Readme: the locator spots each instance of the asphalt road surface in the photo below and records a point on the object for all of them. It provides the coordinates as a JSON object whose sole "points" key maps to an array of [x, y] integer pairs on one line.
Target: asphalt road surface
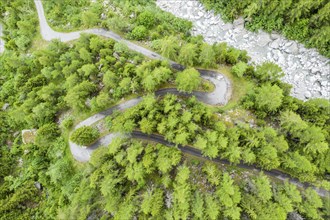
{"points": [[219, 96]]}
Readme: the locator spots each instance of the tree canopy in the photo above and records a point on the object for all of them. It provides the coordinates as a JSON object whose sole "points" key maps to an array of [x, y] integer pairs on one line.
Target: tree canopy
{"points": [[188, 80], [85, 135]]}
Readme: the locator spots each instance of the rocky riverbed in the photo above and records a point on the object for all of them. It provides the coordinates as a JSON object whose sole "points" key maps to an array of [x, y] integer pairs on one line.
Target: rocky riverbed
{"points": [[305, 69]]}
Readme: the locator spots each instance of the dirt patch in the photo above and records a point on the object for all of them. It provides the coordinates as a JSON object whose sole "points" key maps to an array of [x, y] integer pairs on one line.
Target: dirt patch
{"points": [[28, 136]]}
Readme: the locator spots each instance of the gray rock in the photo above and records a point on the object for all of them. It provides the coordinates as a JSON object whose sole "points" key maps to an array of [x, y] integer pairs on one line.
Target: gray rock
{"points": [[288, 44], [275, 55], [307, 94], [308, 65], [314, 71], [281, 58], [294, 216], [325, 93], [5, 106], [324, 83], [214, 22], [290, 63], [264, 40], [239, 25], [38, 185], [227, 26], [239, 22], [274, 36], [269, 55], [293, 49], [275, 44]]}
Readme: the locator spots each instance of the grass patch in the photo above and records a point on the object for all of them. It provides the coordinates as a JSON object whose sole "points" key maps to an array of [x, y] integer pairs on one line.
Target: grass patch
{"points": [[38, 42], [206, 86], [239, 87]]}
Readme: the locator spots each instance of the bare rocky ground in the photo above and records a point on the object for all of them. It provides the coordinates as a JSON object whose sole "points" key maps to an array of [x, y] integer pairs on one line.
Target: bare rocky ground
{"points": [[305, 69]]}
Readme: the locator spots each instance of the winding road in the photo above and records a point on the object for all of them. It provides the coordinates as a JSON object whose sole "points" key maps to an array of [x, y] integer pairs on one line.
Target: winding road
{"points": [[219, 96], [304, 68]]}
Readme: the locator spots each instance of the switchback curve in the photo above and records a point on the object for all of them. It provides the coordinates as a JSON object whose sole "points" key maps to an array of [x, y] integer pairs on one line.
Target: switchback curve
{"points": [[222, 90]]}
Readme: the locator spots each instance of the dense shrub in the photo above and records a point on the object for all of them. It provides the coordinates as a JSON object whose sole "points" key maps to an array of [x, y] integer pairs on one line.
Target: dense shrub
{"points": [[139, 33], [188, 80], [85, 135], [19, 24], [239, 69], [146, 19]]}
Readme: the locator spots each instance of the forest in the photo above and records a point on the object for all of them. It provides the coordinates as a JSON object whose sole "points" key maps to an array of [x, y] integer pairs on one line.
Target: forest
{"points": [[53, 86]]}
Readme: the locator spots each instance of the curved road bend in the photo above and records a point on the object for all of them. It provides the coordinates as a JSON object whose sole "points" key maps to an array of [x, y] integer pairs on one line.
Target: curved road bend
{"points": [[222, 84], [49, 34], [195, 152], [220, 95]]}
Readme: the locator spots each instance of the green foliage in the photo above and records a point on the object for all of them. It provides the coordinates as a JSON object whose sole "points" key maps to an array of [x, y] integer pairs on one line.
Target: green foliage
{"points": [[298, 30], [19, 24], [59, 171], [268, 98], [305, 21], [233, 56], [168, 47], [211, 207], [124, 16], [117, 24], [163, 117], [221, 50], [262, 188], [198, 205], [213, 174], [89, 19], [291, 122], [167, 158], [147, 19], [315, 111], [134, 179], [6, 162], [76, 97], [239, 69], [188, 80], [229, 196], [46, 134], [153, 202], [101, 101], [188, 54], [139, 33], [19, 202], [311, 204], [207, 56], [85, 135], [67, 14], [268, 72]]}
